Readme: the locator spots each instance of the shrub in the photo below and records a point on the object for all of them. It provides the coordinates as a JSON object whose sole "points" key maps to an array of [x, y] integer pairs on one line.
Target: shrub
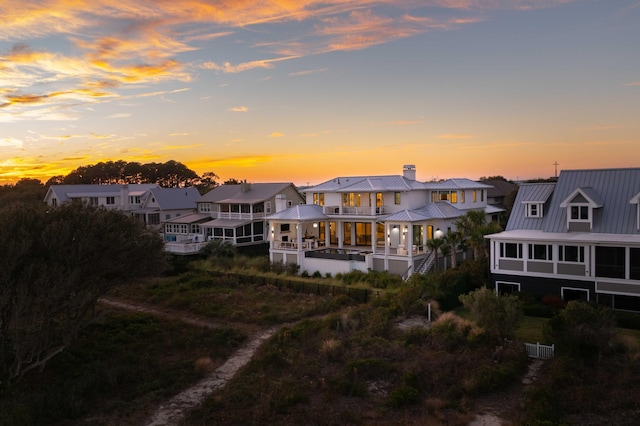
{"points": [[498, 314], [292, 268], [317, 274], [401, 397], [278, 268]]}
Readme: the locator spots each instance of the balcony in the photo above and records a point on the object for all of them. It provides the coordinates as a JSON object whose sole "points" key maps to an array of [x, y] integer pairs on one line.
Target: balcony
{"points": [[237, 216], [354, 211]]}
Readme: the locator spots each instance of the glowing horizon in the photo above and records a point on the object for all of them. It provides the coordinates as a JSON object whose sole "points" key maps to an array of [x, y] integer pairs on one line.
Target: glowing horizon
{"points": [[303, 91]]}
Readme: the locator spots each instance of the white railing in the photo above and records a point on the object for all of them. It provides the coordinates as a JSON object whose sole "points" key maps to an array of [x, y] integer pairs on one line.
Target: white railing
{"points": [[539, 351], [237, 216], [184, 248], [354, 211]]}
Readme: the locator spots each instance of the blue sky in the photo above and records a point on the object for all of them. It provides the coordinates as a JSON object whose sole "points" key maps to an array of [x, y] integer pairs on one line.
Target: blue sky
{"points": [[303, 91]]}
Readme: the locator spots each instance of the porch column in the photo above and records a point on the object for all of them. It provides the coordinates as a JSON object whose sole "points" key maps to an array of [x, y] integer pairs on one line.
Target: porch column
{"points": [[374, 236], [387, 243], [299, 235], [327, 234], [340, 233], [410, 240]]}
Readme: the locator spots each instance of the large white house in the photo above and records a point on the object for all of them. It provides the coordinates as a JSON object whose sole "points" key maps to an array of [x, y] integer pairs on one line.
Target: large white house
{"points": [[233, 213], [578, 238], [380, 223]]}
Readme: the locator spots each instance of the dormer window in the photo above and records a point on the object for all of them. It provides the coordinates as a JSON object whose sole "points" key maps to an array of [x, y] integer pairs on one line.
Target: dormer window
{"points": [[580, 213], [534, 210], [580, 206]]}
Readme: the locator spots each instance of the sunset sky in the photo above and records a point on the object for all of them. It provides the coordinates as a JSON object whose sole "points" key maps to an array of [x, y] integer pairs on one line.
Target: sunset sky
{"points": [[306, 90]]}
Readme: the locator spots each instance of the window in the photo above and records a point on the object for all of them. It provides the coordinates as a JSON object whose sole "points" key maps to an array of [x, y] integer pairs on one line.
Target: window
{"points": [[111, 200], [285, 227], [176, 228], [54, 202], [318, 198], [451, 196], [195, 228], [462, 196], [571, 254], [634, 263], [507, 287], [579, 212], [534, 210], [167, 216], [267, 207], [482, 195], [134, 199], [540, 252], [204, 207], [289, 203], [511, 250], [396, 198], [610, 262], [154, 219], [475, 195]]}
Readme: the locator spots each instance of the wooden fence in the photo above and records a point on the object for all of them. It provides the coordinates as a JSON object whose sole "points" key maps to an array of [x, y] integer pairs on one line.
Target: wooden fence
{"points": [[539, 351]]}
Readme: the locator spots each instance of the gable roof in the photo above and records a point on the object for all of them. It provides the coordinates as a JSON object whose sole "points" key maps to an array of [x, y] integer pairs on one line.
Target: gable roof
{"points": [[610, 188], [457, 183], [252, 193], [174, 198], [499, 187], [64, 193]]}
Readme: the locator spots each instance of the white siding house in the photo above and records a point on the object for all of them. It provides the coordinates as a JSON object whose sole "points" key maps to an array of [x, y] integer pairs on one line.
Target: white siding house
{"points": [[372, 222]]}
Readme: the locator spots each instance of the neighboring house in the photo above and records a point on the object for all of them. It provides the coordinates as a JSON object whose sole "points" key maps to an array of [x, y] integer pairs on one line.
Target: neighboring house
{"points": [[380, 223], [114, 196], [578, 238], [233, 213], [498, 192], [159, 205]]}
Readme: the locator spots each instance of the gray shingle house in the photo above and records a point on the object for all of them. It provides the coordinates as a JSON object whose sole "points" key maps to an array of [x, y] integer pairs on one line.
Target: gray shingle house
{"points": [[578, 238]]}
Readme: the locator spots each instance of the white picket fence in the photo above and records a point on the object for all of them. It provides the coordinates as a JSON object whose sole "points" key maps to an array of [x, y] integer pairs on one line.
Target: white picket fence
{"points": [[539, 351]]}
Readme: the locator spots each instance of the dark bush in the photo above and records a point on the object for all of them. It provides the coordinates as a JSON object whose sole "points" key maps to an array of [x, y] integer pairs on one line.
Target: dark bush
{"points": [[401, 397]]}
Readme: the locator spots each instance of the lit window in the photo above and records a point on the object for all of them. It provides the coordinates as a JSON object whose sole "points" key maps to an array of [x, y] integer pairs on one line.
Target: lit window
{"points": [[475, 196], [396, 197], [462, 196]]}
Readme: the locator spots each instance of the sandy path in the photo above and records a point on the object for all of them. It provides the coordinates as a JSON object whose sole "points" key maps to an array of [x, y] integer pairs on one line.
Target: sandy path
{"points": [[171, 412]]}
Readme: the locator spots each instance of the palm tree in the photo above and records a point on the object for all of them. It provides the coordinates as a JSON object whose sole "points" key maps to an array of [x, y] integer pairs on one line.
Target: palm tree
{"points": [[469, 225], [435, 244], [453, 240]]}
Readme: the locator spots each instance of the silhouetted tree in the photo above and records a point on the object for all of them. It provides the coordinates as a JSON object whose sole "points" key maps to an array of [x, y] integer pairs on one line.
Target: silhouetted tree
{"points": [[232, 181], [54, 264]]}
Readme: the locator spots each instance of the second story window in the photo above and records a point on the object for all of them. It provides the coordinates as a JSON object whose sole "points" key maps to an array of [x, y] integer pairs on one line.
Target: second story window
{"points": [[396, 198], [318, 198], [204, 207], [511, 250], [475, 196], [579, 212], [111, 200]]}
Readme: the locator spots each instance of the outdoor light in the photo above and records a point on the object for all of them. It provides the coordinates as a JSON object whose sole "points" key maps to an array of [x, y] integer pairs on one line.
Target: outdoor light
{"points": [[315, 224], [438, 233]]}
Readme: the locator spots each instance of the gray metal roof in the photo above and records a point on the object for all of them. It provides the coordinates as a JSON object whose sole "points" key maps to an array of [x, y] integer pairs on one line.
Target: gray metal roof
{"points": [[255, 193], [175, 198], [367, 184], [300, 212], [535, 192], [190, 218], [614, 187], [225, 223], [457, 183], [64, 193]]}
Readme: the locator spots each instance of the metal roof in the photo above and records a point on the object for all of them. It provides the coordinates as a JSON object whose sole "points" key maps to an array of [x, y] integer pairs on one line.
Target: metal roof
{"points": [[300, 212], [535, 192], [225, 223], [457, 183], [66, 192], [190, 218], [614, 187], [367, 184], [175, 198], [234, 194]]}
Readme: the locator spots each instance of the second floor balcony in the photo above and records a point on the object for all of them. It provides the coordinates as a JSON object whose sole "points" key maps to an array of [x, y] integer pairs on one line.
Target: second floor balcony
{"points": [[354, 211]]}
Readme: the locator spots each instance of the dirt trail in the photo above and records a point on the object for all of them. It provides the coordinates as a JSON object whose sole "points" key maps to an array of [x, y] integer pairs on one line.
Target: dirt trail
{"points": [[174, 410]]}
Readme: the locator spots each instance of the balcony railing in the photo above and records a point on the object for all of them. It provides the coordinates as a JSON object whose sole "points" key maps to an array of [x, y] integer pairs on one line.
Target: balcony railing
{"points": [[354, 211], [237, 216]]}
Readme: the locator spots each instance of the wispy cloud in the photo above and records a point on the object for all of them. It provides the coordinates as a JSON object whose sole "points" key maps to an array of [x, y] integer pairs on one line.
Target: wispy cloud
{"points": [[276, 135], [227, 67], [11, 143], [306, 72], [635, 83], [120, 115], [239, 109]]}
